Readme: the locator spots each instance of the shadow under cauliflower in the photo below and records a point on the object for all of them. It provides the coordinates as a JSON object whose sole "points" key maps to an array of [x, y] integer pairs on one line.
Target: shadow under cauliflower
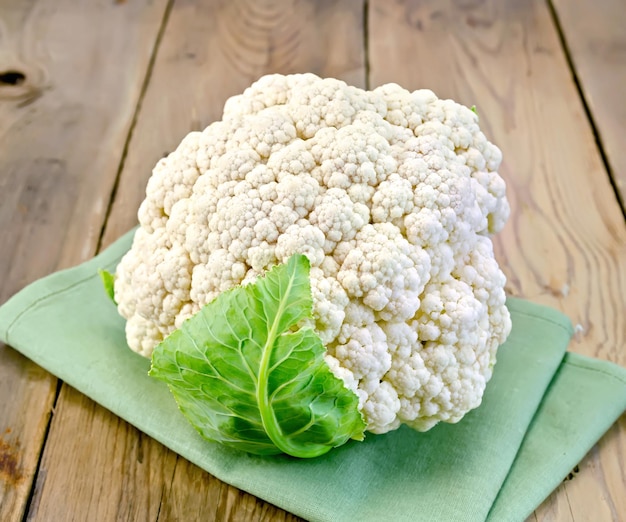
{"points": [[392, 195]]}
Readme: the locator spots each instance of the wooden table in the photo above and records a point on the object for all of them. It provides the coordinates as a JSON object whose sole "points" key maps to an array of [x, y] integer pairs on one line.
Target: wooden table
{"points": [[94, 92]]}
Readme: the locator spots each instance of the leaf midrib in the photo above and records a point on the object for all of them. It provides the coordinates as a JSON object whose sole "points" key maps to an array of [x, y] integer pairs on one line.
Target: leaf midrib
{"points": [[268, 418], [267, 413]]}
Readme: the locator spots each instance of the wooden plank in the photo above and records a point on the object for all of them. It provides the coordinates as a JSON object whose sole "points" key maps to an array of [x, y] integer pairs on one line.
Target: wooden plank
{"points": [[210, 51], [219, 501], [70, 76], [565, 244], [27, 394], [114, 473], [596, 40], [213, 50]]}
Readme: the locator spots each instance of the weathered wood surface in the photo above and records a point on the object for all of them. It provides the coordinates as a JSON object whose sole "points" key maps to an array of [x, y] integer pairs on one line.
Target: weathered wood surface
{"points": [[565, 244], [98, 113], [208, 52], [212, 50], [70, 77], [595, 36]]}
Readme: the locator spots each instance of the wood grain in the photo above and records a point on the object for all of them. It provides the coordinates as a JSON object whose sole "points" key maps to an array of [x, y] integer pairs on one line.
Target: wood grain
{"points": [[565, 244], [67, 98], [115, 450], [196, 495], [596, 40], [214, 49], [23, 423], [210, 50]]}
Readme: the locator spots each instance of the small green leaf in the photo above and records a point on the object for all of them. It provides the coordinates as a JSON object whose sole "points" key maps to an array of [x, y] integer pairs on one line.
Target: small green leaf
{"points": [[473, 109], [244, 374], [108, 281]]}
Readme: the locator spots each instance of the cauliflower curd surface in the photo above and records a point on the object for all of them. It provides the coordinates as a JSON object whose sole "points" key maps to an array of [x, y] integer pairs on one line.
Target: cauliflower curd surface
{"points": [[392, 195]]}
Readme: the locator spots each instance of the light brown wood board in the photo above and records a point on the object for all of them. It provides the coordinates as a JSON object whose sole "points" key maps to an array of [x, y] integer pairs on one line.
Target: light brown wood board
{"points": [[70, 77], [504, 57], [595, 38], [565, 244], [208, 52]]}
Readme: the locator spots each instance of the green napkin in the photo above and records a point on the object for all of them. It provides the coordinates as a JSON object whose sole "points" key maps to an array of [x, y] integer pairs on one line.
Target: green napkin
{"points": [[543, 410]]}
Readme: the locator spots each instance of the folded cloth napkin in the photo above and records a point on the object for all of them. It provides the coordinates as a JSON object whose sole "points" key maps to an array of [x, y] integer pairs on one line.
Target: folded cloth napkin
{"points": [[542, 411]]}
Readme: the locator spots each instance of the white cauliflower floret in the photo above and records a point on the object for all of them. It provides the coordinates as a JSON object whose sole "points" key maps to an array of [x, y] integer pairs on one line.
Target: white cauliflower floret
{"points": [[363, 350], [392, 195], [381, 406], [338, 217], [353, 155], [329, 304], [458, 351], [302, 238], [392, 200], [385, 271]]}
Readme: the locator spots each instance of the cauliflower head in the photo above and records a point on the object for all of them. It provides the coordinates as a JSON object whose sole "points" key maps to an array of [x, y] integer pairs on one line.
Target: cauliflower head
{"points": [[392, 195]]}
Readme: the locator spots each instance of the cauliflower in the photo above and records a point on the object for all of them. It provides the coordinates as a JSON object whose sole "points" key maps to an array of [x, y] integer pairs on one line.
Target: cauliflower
{"points": [[392, 195]]}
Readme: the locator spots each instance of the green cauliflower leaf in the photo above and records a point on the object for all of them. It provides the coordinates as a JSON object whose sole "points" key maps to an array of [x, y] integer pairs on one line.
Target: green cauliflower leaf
{"points": [[246, 373], [108, 281]]}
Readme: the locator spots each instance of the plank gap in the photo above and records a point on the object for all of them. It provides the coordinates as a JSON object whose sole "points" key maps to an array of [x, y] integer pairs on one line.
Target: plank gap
{"points": [[592, 122], [35, 487], [133, 123], [366, 42], [165, 493]]}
